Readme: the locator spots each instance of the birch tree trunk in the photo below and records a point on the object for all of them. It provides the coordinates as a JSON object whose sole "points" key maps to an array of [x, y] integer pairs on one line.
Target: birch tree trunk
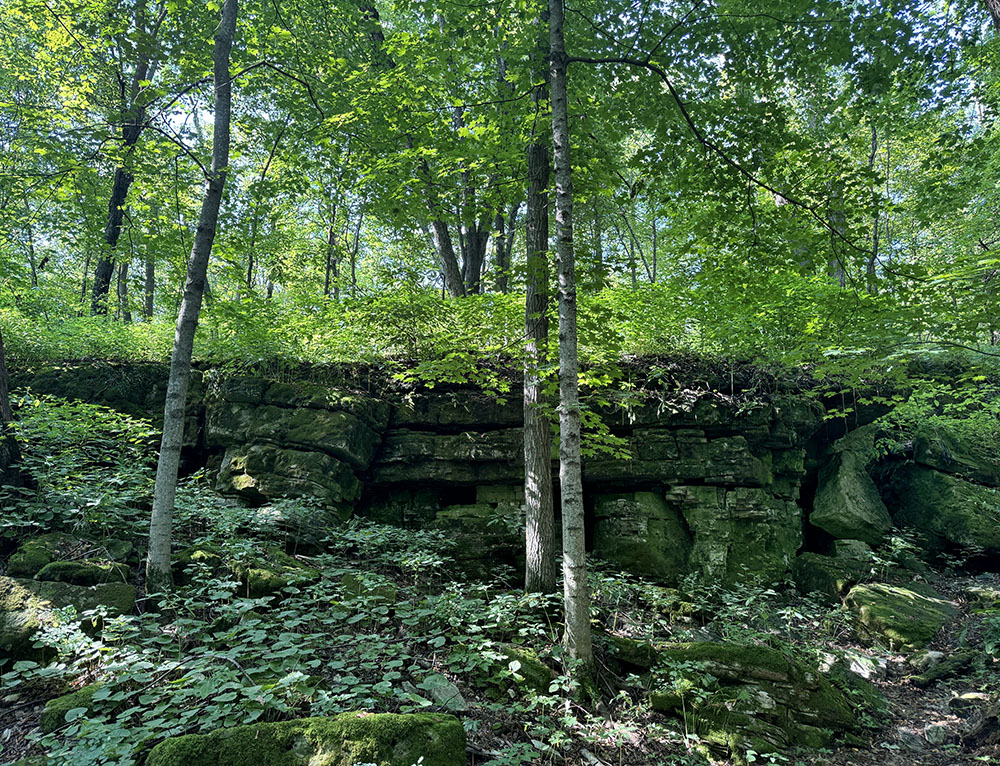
{"points": [[158, 575], [577, 639]]}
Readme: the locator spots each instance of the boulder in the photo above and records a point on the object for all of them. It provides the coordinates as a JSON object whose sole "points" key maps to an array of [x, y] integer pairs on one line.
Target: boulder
{"points": [[907, 616], [262, 472], [34, 554], [738, 531], [847, 503], [761, 700], [84, 572], [950, 512], [958, 451], [54, 714], [383, 739], [826, 575], [640, 533], [26, 605]]}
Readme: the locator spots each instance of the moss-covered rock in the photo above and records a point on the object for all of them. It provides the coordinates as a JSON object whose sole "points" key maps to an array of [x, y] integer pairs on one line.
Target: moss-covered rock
{"points": [[960, 451], [54, 714], [84, 572], [271, 572], [527, 669], [465, 459], [949, 511], [640, 533], [263, 472], [764, 701], [34, 554], [26, 605], [191, 559], [739, 531], [827, 575], [847, 503], [345, 740], [907, 616]]}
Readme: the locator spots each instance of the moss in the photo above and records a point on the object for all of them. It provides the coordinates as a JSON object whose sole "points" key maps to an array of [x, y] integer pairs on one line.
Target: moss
{"points": [[384, 739], [25, 605], [949, 667], [831, 577], [531, 671], [84, 572], [270, 574], [847, 502], [188, 561], [641, 655], [907, 616], [54, 714], [37, 552], [947, 510]]}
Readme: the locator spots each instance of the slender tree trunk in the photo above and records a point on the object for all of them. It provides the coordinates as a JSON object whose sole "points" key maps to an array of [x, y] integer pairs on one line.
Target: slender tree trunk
{"points": [[6, 414], [448, 260], [150, 286], [870, 273], [10, 453], [837, 219], [158, 574], [539, 537], [576, 590], [123, 310]]}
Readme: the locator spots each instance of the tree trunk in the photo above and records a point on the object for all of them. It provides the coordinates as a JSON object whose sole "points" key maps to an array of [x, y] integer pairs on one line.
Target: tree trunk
{"points": [[448, 260], [158, 574], [10, 453], [576, 590], [150, 286], [123, 311], [993, 6], [539, 532], [6, 414]]}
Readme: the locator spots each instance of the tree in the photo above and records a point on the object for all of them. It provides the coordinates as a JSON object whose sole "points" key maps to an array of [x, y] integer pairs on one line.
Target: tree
{"points": [[576, 590], [158, 574], [540, 558]]}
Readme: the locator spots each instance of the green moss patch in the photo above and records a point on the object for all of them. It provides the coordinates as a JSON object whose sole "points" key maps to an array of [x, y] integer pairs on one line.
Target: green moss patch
{"points": [[907, 616], [345, 740]]}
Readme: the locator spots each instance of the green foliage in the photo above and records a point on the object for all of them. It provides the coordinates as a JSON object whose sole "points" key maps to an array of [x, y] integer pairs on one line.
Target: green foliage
{"points": [[93, 468]]}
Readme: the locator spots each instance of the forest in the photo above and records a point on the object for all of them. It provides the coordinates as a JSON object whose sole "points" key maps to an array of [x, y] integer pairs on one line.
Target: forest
{"points": [[408, 383]]}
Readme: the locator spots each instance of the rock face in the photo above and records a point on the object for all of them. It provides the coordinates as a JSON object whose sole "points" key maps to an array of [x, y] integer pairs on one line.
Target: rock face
{"points": [[950, 512], [966, 456], [640, 532], [345, 740], [904, 616], [713, 485], [763, 700], [26, 605]]}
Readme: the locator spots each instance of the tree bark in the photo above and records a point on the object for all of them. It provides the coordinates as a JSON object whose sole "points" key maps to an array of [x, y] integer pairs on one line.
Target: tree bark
{"points": [[993, 6], [134, 115], [539, 531], [577, 638], [150, 286], [10, 453], [123, 310], [158, 574]]}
